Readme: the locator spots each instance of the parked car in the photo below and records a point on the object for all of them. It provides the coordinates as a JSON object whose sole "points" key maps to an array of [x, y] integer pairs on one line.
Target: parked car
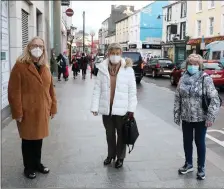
{"points": [[158, 67], [213, 68], [98, 60], [137, 63]]}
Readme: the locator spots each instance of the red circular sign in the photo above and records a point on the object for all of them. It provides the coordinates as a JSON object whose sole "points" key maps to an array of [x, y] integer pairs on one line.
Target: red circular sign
{"points": [[69, 12]]}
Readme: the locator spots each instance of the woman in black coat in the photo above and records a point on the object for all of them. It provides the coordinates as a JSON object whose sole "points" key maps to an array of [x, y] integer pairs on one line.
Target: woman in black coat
{"points": [[83, 64]]}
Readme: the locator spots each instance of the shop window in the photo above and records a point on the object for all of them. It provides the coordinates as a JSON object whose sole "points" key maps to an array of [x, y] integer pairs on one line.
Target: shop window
{"points": [[216, 55], [211, 4]]}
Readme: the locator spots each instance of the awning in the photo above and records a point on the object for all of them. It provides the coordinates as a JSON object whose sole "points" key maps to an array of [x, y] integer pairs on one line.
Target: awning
{"points": [[206, 40]]}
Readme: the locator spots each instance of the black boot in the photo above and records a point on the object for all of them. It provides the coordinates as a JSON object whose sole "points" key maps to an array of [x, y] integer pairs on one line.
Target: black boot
{"points": [[42, 169], [119, 163], [30, 174], [108, 160]]}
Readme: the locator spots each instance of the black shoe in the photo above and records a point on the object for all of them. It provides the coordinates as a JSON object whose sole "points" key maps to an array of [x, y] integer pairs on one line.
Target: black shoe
{"points": [[201, 173], [59, 79], [186, 169], [119, 163], [30, 174], [42, 169], [108, 160]]}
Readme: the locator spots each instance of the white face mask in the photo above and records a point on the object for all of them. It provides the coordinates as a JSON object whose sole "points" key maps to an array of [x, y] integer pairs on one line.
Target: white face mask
{"points": [[115, 59], [36, 52]]}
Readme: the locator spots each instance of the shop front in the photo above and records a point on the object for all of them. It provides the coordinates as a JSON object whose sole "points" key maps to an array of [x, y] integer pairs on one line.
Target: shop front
{"points": [[196, 47], [180, 53], [168, 51]]}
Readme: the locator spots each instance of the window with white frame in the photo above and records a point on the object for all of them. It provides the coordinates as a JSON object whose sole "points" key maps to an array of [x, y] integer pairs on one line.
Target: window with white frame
{"points": [[169, 13], [199, 5], [211, 25], [183, 9], [199, 28], [223, 24], [182, 30], [211, 4]]}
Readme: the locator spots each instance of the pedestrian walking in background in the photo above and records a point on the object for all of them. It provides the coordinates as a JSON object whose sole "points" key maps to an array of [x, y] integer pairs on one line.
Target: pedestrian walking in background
{"points": [[66, 74], [83, 64], [32, 99], [75, 67], [114, 97], [188, 107], [61, 66], [53, 62]]}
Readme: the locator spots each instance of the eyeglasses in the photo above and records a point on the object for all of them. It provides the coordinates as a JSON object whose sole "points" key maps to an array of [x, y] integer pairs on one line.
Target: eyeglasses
{"points": [[36, 46]]}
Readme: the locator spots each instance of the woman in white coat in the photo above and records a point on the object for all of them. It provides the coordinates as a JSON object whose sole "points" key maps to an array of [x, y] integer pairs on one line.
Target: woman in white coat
{"points": [[114, 96]]}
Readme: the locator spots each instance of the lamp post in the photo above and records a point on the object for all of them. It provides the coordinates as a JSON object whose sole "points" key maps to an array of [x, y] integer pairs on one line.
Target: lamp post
{"points": [[92, 33]]}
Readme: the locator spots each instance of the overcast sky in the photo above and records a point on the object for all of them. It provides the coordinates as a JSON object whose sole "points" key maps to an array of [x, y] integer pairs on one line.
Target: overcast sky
{"points": [[97, 11]]}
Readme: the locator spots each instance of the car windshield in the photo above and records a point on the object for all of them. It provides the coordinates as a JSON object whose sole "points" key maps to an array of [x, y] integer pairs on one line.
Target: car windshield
{"points": [[165, 61], [212, 66], [134, 56]]}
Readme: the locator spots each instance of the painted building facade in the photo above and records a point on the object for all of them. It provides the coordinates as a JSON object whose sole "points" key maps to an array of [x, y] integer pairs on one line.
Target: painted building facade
{"points": [[205, 20], [175, 31], [122, 32]]}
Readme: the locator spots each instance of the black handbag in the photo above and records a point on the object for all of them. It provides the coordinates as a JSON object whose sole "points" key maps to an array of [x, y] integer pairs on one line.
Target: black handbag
{"points": [[130, 132], [205, 100]]}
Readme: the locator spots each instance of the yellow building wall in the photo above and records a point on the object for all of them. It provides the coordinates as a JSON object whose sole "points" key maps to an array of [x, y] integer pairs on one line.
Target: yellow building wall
{"points": [[204, 16]]}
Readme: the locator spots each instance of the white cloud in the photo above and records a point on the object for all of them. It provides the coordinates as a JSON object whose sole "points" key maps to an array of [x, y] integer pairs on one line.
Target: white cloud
{"points": [[97, 11]]}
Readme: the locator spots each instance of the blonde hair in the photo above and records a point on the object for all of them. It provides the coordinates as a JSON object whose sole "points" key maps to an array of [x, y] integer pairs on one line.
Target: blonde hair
{"points": [[196, 58], [26, 56], [113, 46]]}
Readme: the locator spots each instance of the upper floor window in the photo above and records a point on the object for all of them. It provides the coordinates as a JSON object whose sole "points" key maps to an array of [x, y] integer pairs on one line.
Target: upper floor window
{"points": [[199, 5], [199, 28], [211, 26], [168, 33], [211, 4], [182, 30], [183, 9], [222, 23], [169, 13]]}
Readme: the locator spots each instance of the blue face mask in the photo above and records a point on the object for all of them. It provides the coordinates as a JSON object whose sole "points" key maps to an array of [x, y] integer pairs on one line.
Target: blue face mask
{"points": [[192, 69]]}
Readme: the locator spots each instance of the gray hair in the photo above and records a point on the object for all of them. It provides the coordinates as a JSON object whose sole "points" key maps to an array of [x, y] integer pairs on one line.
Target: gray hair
{"points": [[197, 58], [113, 46]]}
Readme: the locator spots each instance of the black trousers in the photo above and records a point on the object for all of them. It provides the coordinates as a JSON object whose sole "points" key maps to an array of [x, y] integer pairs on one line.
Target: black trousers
{"points": [[31, 150], [84, 71], [116, 147], [61, 71]]}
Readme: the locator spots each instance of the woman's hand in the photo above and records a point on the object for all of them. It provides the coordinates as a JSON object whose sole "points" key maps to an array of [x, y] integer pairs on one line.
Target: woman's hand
{"points": [[130, 115], [19, 119], [95, 113], [208, 124], [52, 116]]}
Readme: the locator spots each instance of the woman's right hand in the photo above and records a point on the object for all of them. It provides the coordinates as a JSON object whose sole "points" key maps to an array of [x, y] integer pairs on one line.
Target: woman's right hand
{"points": [[19, 119], [95, 113]]}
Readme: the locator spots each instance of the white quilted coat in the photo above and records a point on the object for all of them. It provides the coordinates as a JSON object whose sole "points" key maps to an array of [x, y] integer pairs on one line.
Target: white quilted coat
{"points": [[125, 98]]}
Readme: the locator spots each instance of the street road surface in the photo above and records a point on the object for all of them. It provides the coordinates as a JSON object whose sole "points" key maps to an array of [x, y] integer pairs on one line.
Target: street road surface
{"points": [[162, 99]]}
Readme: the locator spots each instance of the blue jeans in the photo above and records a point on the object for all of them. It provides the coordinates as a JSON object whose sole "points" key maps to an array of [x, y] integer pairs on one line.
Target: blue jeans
{"points": [[199, 131]]}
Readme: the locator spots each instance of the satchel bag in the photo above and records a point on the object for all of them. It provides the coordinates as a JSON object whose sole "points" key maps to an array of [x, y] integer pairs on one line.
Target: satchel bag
{"points": [[205, 99], [130, 132]]}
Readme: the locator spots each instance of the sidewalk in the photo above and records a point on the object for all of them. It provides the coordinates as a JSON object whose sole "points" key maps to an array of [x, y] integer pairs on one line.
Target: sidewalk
{"points": [[76, 149]]}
